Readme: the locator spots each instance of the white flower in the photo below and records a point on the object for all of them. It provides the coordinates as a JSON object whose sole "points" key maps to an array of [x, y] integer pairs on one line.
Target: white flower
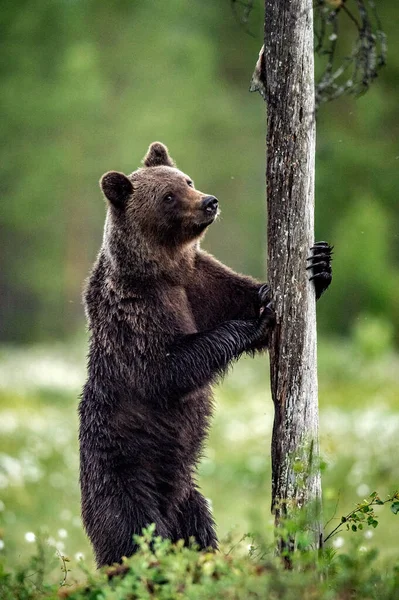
{"points": [[60, 546], [363, 490], [338, 542], [368, 534], [62, 533], [30, 536], [79, 556]]}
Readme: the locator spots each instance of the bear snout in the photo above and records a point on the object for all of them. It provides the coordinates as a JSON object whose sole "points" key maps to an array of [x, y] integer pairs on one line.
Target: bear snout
{"points": [[210, 205]]}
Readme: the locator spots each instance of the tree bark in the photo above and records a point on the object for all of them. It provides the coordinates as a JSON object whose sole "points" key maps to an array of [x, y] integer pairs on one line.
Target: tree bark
{"points": [[289, 77]]}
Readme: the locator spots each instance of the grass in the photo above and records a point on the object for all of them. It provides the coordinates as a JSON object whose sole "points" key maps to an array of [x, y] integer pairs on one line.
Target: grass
{"points": [[359, 427], [160, 570]]}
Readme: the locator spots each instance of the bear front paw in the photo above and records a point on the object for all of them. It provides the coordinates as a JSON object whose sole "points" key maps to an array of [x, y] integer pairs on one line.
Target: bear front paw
{"points": [[265, 295], [320, 266], [263, 327], [267, 318]]}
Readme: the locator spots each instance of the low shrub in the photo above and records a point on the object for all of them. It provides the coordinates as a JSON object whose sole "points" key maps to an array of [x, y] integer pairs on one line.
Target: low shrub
{"points": [[171, 572]]}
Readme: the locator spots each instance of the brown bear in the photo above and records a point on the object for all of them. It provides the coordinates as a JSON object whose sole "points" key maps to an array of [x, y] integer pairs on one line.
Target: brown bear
{"points": [[165, 319]]}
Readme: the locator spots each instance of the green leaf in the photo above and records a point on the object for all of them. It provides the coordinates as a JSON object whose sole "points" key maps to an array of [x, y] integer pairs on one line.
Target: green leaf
{"points": [[354, 528], [395, 508], [374, 523]]}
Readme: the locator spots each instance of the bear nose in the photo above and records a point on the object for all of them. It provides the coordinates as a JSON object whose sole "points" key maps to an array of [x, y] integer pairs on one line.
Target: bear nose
{"points": [[210, 204]]}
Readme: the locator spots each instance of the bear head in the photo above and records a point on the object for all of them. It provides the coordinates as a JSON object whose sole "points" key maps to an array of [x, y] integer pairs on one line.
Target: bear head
{"points": [[158, 201]]}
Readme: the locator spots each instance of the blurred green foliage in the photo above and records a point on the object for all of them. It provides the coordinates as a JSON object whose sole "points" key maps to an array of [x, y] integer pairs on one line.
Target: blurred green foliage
{"points": [[87, 85], [163, 571], [359, 425]]}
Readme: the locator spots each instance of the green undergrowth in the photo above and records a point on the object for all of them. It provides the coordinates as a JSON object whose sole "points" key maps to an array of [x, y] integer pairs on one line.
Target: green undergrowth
{"points": [[359, 428], [39, 463], [166, 571]]}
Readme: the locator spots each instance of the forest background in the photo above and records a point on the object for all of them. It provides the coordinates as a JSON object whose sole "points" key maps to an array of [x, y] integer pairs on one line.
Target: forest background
{"points": [[85, 87]]}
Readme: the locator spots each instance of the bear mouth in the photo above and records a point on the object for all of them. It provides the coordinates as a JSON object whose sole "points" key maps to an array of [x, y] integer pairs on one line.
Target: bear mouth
{"points": [[200, 227], [211, 215], [206, 220], [209, 218]]}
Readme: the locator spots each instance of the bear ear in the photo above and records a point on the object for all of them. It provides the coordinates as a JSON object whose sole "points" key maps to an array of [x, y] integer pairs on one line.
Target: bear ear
{"points": [[158, 156], [116, 188]]}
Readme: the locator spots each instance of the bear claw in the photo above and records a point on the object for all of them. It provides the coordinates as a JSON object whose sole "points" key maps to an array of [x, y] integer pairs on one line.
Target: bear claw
{"points": [[320, 266], [264, 294]]}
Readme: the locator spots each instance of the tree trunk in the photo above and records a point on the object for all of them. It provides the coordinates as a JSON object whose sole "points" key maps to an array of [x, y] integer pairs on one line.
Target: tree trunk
{"points": [[289, 76]]}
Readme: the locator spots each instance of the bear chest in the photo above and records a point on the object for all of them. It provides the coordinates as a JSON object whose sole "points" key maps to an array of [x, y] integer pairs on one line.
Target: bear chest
{"points": [[178, 313]]}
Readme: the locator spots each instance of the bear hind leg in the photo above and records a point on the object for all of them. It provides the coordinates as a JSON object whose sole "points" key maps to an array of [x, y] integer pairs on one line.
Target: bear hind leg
{"points": [[112, 535], [194, 520]]}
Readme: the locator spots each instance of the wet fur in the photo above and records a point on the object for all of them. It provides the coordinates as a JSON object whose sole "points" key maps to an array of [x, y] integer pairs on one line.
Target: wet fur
{"points": [[166, 319]]}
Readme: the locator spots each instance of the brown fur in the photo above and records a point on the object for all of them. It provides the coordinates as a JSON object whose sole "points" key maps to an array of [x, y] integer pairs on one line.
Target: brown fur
{"points": [[166, 319]]}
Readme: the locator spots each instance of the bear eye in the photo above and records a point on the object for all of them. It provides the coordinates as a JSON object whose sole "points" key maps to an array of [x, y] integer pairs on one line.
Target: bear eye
{"points": [[168, 197], [190, 183]]}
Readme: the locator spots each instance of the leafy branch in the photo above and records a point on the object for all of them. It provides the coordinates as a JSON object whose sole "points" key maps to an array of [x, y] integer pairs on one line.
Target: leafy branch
{"points": [[64, 568], [364, 514]]}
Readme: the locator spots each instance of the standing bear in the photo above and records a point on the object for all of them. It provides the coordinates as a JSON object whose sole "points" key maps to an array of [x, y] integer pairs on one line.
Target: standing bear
{"points": [[166, 319]]}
